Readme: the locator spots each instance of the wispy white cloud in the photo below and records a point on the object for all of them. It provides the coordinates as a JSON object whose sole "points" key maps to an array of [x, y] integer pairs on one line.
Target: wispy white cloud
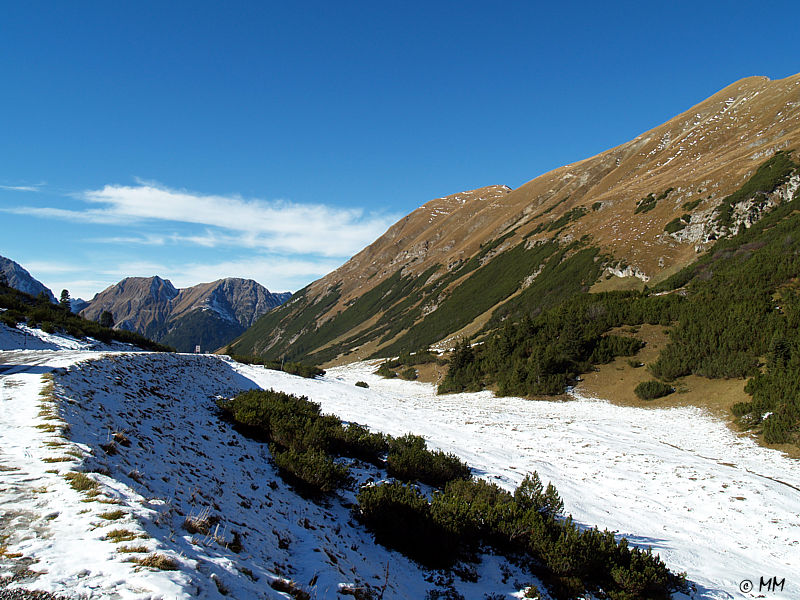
{"points": [[276, 273], [96, 217], [23, 188], [278, 226], [191, 238], [51, 267]]}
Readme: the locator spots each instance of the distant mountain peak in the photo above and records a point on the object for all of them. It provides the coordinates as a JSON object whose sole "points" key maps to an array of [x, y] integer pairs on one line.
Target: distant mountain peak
{"points": [[20, 279], [208, 314]]}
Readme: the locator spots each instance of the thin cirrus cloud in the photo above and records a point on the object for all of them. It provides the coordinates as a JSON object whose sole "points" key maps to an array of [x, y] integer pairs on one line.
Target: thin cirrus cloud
{"points": [[278, 226], [23, 188]]}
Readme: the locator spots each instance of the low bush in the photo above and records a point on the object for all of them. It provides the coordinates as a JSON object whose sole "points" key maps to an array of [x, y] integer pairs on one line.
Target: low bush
{"points": [[399, 516], [362, 384], [359, 442], [293, 368], [650, 390], [410, 460], [470, 514], [409, 374], [311, 470], [384, 370], [301, 437]]}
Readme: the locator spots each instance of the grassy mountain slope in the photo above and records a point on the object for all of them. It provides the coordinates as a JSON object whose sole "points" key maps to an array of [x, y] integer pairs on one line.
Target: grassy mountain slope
{"points": [[638, 212]]}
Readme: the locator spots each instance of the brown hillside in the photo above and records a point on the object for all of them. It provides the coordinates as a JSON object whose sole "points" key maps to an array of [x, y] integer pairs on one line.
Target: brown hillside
{"points": [[709, 150]]}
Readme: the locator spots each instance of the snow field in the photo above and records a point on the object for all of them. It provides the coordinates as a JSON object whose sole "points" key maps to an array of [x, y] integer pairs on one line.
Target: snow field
{"points": [[711, 503]]}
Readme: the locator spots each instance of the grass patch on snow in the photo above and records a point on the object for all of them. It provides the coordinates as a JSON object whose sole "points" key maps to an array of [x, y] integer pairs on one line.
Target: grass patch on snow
{"points": [[80, 482], [112, 515], [121, 535], [157, 561]]}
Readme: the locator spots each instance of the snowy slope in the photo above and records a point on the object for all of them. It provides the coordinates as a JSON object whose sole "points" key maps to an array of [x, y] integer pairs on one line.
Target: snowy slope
{"points": [[182, 462], [28, 338], [711, 503]]}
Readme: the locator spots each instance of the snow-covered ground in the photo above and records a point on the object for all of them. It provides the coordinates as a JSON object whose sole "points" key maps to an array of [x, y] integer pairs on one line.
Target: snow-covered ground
{"points": [[27, 338], [709, 502]]}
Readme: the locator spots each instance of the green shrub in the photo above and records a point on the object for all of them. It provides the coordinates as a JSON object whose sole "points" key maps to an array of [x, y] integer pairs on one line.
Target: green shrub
{"points": [[410, 460], [531, 495], [10, 318], [409, 374], [312, 470], [650, 390], [470, 514], [610, 346], [384, 370], [691, 205], [362, 384], [767, 178], [302, 438], [399, 516], [675, 226], [293, 368], [357, 441]]}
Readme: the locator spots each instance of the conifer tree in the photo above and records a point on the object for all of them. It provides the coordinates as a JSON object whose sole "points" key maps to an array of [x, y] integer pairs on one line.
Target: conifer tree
{"points": [[64, 300], [106, 319]]}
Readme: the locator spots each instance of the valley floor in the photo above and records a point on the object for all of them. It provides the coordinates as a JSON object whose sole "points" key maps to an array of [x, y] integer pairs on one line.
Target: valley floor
{"points": [[710, 503]]}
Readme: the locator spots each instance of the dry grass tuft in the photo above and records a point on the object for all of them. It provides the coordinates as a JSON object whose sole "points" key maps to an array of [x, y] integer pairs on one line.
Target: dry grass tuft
{"points": [[200, 523], [133, 549], [80, 482], [120, 438], [289, 587], [157, 561], [112, 515], [121, 535]]}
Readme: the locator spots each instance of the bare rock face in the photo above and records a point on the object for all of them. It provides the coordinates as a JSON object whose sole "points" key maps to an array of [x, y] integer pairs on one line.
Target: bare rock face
{"points": [[237, 300], [19, 279]]}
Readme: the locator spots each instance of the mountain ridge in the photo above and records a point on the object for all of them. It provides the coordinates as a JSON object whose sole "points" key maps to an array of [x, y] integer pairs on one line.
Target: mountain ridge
{"points": [[20, 279], [619, 201], [207, 314]]}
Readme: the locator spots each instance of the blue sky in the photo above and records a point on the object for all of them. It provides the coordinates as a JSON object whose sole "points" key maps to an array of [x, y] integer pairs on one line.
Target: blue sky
{"points": [[199, 140]]}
